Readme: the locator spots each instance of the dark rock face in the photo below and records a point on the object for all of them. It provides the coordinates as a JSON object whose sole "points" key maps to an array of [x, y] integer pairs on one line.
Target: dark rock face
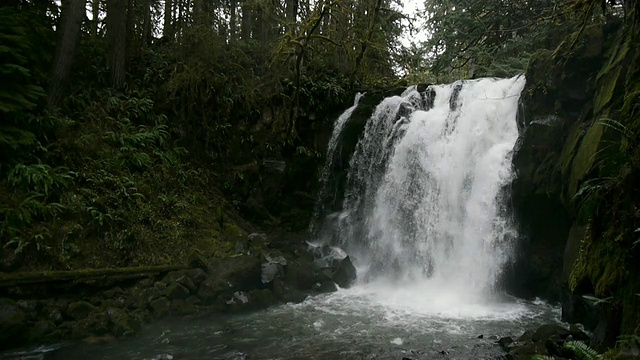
{"points": [[557, 103]]}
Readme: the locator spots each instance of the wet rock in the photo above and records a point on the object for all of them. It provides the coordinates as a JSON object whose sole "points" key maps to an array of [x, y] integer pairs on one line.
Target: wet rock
{"points": [[345, 273], [326, 287], [54, 315], [505, 342], [182, 307], [120, 322], [547, 331], [160, 307], [272, 266], [79, 310], [300, 275], [95, 323], [480, 336], [12, 323], [42, 331], [242, 272], [526, 351], [262, 298], [578, 333], [176, 291]]}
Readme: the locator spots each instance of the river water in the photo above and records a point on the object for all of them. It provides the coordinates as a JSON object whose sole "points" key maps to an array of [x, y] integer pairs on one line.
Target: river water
{"points": [[372, 321]]}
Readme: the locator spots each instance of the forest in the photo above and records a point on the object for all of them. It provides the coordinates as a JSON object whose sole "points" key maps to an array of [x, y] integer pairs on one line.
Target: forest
{"points": [[147, 133]]}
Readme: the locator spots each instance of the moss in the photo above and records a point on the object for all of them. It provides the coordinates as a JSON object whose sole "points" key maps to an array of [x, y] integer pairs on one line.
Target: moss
{"points": [[585, 156]]}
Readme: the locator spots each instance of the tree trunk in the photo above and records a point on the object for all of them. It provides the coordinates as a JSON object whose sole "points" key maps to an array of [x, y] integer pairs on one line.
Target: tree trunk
{"points": [[146, 28], [291, 15], [245, 26], [95, 12], [73, 13], [167, 26], [131, 38], [117, 41], [232, 21]]}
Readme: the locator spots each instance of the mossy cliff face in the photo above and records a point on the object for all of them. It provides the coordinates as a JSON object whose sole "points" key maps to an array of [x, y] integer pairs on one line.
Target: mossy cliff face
{"points": [[576, 195]]}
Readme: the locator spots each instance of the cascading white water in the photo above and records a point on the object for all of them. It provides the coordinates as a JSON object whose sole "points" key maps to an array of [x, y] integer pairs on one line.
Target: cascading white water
{"points": [[424, 186]]}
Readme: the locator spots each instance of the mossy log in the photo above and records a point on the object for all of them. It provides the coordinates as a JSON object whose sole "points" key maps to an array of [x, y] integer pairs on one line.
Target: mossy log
{"points": [[86, 275]]}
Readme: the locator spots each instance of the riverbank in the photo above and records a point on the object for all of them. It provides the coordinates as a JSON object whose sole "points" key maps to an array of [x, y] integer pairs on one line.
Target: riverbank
{"points": [[100, 307]]}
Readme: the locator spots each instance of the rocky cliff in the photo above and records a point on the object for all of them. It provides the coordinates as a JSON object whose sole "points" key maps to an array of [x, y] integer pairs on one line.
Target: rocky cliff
{"points": [[576, 196]]}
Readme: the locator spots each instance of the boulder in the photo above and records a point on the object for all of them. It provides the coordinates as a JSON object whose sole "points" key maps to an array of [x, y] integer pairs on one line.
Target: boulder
{"points": [[120, 322], [548, 331], [345, 273], [79, 310], [176, 291], [160, 307], [13, 323]]}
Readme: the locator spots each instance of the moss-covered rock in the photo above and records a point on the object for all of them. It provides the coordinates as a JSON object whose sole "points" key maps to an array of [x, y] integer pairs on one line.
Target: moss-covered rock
{"points": [[13, 323]]}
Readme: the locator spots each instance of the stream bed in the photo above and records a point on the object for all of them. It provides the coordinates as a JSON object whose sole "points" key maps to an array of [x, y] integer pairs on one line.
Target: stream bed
{"points": [[371, 321]]}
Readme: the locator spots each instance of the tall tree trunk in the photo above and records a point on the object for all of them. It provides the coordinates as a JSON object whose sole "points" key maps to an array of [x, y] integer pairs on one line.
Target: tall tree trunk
{"points": [[95, 12], [291, 14], [131, 38], [232, 21], [117, 40], [245, 26], [146, 28], [167, 25], [73, 12]]}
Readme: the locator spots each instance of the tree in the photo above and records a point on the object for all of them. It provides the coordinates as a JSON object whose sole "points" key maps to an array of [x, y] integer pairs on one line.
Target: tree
{"points": [[72, 16], [117, 41]]}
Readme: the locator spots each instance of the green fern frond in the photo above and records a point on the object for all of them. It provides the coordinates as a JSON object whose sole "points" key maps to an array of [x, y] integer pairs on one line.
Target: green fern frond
{"points": [[582, 351], [542, 357]]}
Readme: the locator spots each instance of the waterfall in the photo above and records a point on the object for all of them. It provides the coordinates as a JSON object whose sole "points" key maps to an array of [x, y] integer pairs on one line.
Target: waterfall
{"points": [[424, 199]]}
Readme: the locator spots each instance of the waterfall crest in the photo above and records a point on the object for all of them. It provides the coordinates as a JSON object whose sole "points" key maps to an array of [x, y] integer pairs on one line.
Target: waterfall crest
{"points": [[424, 189]]}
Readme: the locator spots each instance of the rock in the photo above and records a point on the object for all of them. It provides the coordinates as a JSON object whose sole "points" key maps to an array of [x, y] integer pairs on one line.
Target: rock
{"points": [[189, 278], [160, 307], [182, 307], [527, 336], [95, 323], [55, 316], [299, 275], [112, 293], [505, 342], [12, 324], [271, 266], [196, 260], [120, 323], [176, 291], [326, 287], [79, 310], [261, 299], [42, 330], [547, 331], [578, 333], [345, 273], [480, 336], [294, 296], [242, 272], [527, 350]]}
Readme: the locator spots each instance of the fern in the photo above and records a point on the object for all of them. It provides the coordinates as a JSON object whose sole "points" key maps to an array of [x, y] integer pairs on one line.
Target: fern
{"points": [[542, 357], [582, 351]]}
